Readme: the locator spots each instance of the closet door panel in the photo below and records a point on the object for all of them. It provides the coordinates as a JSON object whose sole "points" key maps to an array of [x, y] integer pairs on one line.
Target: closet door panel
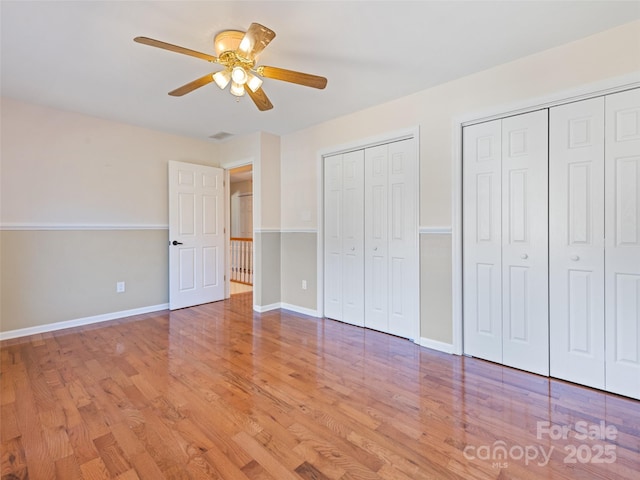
{"points": [[404, 273], [376, 238], [333, 237], [353, 238], [576, 242], [482, 241], [525, 242], [622, 263]]}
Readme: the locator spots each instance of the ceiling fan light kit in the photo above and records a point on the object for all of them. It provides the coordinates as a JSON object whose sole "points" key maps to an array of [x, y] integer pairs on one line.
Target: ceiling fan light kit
{"points": [[237, 51]]}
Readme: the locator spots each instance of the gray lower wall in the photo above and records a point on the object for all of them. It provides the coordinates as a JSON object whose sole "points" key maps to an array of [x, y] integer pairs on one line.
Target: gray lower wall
{"points": [[299, 262], [50, 276], [299, 254], [266, 265], [54, 276], [435, 287]]}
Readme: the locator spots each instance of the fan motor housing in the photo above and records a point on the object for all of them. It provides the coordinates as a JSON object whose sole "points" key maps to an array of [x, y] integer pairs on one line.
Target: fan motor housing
{"points": [[227, 41]]}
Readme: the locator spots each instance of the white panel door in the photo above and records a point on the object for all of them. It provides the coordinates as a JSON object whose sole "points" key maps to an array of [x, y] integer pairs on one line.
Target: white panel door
{"points": [[391, 239], [196, 234], [376, 260], [525, 317], [482, 241], [404, 261], [353, 238], [333, 237], [344, 237], [622, 244], [576, 242]]}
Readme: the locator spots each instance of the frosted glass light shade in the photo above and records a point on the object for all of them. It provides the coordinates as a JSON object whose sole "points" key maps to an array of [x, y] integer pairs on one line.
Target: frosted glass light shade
{"points": [[239, 75], [254, 83], [237, 89], [222, 78]]}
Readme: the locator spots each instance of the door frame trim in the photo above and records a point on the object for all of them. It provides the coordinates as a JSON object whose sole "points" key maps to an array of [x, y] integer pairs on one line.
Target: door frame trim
{"points": [[381, 139], [575, 94], [227, 166]]}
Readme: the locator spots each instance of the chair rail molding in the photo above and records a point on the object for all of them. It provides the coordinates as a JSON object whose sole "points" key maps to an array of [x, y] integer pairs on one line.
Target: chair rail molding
{"points": [[434, 230], [80, 226]]}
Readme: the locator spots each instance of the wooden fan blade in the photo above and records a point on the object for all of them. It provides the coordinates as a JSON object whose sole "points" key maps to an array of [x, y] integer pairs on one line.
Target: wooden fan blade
{"points": [[174, 48], [259, 98], [191, 86], [255, 40], [300, 78]]}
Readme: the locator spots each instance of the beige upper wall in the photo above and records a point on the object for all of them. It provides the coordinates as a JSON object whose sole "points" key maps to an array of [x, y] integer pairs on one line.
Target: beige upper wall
{"points": [[263, 151], [610, 54], [82, 176], [269, 173], [65, 168], [240, 150]]}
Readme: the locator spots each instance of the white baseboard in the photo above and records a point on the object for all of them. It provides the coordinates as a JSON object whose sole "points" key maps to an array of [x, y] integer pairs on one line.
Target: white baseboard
{"points": [[79, 322], [266, 308], [298, 309], [286, 306], [436, 345]]}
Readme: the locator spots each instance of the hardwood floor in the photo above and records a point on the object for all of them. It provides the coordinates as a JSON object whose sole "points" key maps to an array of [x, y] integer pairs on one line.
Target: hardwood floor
{"points": [[220, 392], [237, 287]]}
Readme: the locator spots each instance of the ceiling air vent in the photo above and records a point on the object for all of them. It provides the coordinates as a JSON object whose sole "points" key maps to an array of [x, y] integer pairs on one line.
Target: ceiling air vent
{"points": [[221, 136]]}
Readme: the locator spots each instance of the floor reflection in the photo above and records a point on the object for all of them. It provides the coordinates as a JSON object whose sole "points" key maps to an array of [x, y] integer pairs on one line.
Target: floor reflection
{"points": [[219, 384]]}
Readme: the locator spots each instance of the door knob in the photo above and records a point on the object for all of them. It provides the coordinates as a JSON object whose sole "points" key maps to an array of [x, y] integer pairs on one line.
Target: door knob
{"points": [[175, 242], [353, 248], [375, 249], [575, 258], [524, 256]]}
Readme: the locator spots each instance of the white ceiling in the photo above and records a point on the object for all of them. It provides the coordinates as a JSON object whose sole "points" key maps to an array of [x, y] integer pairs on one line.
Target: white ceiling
{"points": [[80, 55]]}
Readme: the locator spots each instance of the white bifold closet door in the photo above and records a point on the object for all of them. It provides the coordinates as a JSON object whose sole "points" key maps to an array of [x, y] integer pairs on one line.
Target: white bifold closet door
{"points": [[622, 243], [371, 275], [344, 237], [595, 242], [576, 242], [391, 239], [482, 240], [505, 241]]}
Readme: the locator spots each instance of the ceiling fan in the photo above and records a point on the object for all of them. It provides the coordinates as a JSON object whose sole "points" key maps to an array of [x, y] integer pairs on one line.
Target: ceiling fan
{"points": [[237, 52]]}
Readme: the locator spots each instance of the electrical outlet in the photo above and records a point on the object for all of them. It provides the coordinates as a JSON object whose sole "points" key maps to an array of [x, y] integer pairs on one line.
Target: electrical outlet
{"points": [[304, 284], [119, 287]]}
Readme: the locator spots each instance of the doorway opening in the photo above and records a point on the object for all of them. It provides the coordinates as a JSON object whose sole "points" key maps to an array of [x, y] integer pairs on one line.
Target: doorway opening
{"points": [[241, 223]]}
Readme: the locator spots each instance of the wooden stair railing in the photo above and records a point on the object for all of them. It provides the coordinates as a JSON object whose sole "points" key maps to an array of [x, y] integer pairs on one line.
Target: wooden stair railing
{"points": [[242, 260]]}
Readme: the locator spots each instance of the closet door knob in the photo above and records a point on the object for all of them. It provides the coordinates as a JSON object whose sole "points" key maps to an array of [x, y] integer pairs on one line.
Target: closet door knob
{"points": [[375, 249], [575, 258], [524, 256], [353, 248]]}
